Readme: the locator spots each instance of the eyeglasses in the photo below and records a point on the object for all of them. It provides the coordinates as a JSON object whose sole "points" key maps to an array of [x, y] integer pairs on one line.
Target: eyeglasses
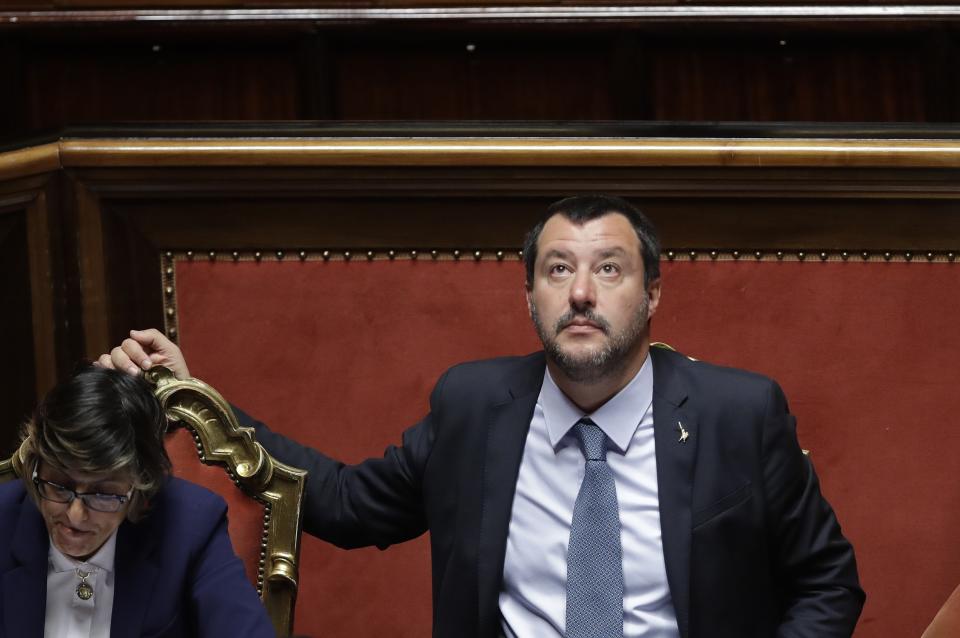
{"points": [[93, 500]]}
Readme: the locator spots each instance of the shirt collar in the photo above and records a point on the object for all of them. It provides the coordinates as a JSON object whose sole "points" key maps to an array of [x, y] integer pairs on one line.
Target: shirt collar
{"points": [[102, 560], [618, 417]]}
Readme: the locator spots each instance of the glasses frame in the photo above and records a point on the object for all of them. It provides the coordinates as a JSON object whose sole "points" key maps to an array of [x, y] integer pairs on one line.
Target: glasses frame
{"points": [[121, 499]]}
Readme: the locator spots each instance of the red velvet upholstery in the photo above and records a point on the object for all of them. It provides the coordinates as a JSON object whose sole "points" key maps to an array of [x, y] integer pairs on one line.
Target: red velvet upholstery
{"points": [[245, 514], [343, 356]]}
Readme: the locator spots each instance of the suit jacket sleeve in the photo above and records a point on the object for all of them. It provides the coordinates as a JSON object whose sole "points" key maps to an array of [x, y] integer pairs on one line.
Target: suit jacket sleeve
{"points": [[816, 564], [376, 502]]}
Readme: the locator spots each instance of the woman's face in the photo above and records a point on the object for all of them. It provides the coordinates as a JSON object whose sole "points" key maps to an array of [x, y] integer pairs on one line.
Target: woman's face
{"points": [[75, 528]]}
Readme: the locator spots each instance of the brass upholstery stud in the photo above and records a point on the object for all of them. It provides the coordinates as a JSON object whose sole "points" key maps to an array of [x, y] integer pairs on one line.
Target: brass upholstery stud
{"points": [[169, 312], [279, 255], [736, 254], [434, 254], [369, 255], [302, 254], [670, 255], [865, 255], [347, 255], [951, 256], [887, 256], [844, 255], [929, 256], [212, 255], [168, 255], [172, 331], [391, 254], [168, 290], [456, 254], [477, 255], [413, 254], [801, 255], [758, 255], [693, 255], [235, 255], [908, 256], [257, 255], [823, 256], [780, 255], [713, 254], [499, 255], [326, 255]]}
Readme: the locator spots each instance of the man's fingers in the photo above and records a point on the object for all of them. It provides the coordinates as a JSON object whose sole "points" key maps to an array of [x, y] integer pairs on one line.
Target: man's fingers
{"points": [[136, 353], [152, 339], [104, 362], [120, 361]]}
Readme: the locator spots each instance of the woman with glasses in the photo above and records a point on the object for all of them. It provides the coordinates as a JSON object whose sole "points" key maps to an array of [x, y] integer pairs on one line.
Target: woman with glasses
{"points": [[98, 540]]}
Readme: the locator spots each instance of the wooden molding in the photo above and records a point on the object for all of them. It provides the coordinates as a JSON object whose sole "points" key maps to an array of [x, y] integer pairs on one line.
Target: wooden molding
{"points": [[575, 152]]}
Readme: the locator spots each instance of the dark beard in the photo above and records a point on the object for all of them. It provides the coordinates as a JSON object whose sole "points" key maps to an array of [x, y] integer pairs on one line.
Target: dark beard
{"points": [[596, 366]]}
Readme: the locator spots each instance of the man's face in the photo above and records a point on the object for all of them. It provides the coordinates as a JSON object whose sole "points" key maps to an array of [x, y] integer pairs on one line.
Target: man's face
{"points": [[588, 300], [75, 529]]}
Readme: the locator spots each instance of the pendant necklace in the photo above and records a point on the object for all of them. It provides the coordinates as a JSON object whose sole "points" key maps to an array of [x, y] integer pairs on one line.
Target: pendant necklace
{"points": [[84, 590]]}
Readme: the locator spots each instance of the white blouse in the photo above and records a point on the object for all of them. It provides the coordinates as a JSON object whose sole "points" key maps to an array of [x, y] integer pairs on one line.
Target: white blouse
{"points": [[69, 616]]}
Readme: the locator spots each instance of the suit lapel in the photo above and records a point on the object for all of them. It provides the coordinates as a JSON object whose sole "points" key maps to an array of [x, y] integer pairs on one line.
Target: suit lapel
{"points": [[25, 586], [675, 464], [506, 436], [135, 578]]}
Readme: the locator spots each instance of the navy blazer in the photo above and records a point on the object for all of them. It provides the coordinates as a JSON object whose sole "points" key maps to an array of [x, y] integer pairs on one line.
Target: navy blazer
{"points": [[176, 574], [752, 549]]}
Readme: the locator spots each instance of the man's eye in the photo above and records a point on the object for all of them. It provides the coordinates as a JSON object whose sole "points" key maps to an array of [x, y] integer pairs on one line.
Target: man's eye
{"points": [[609, 269], [559, 269]]}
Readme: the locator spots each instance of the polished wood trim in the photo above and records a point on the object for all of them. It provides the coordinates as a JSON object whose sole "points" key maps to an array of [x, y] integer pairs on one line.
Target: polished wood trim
{"points": [[412, 11], [34, 160], [757, 153], [92, 269], [41, 293]]}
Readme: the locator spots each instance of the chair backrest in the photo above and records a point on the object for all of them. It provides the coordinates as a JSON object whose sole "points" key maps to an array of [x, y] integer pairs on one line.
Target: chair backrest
{"points": [[207, 446], [265, 497]]}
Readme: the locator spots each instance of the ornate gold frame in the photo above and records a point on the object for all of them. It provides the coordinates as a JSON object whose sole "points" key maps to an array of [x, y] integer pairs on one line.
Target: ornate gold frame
{"points": [[220, 440]]}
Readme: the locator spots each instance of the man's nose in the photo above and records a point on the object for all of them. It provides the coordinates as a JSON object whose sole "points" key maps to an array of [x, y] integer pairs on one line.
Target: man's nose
{"points": [[583, 292]]}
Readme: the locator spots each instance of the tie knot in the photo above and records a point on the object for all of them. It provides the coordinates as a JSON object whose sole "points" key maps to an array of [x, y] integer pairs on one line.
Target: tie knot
{"points": [[592, 440]]}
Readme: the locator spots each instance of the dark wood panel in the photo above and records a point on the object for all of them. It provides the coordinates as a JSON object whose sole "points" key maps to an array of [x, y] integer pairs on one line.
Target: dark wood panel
{"points": [[17, 380], [158, 79]]}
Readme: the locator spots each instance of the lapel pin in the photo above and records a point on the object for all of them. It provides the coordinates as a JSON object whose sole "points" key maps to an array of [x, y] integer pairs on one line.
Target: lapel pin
{"points": [[684, 435]]}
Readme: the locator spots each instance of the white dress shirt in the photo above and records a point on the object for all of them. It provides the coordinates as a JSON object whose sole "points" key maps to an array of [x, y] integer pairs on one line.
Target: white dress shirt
{"points": [[67, 615], [533, 598]]}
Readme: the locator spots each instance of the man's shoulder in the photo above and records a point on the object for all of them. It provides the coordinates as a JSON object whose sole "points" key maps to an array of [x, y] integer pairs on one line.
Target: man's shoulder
{"points": [[499, 366], [713, 378], [493, 380]]}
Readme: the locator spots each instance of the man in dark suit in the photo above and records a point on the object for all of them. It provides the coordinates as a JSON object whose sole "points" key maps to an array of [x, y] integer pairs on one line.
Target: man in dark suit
{"points": [[597, 488]]}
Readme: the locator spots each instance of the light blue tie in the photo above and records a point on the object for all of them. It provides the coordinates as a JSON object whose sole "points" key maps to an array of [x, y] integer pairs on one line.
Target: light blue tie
{"points": [[594, 556]]}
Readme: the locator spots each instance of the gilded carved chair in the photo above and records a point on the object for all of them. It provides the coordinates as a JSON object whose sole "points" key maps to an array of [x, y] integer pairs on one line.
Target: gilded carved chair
{"points": [[207, 446]]}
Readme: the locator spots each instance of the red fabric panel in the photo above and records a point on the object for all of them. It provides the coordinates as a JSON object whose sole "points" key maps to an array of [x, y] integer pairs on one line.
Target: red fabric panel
{"points": [[244, 514], [343, 356]]}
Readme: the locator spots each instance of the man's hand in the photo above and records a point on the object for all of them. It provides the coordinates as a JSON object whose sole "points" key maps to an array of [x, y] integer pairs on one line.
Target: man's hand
{"points": [[143, 350]]}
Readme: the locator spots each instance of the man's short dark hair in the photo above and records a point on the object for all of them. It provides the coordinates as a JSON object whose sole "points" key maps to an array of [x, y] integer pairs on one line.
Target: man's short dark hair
{"points": [[100, 421], [582, 208]]}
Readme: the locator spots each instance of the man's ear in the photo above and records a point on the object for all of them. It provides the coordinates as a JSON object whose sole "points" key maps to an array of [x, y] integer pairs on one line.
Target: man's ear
{"points": [[528, 293], [653, 297]]}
